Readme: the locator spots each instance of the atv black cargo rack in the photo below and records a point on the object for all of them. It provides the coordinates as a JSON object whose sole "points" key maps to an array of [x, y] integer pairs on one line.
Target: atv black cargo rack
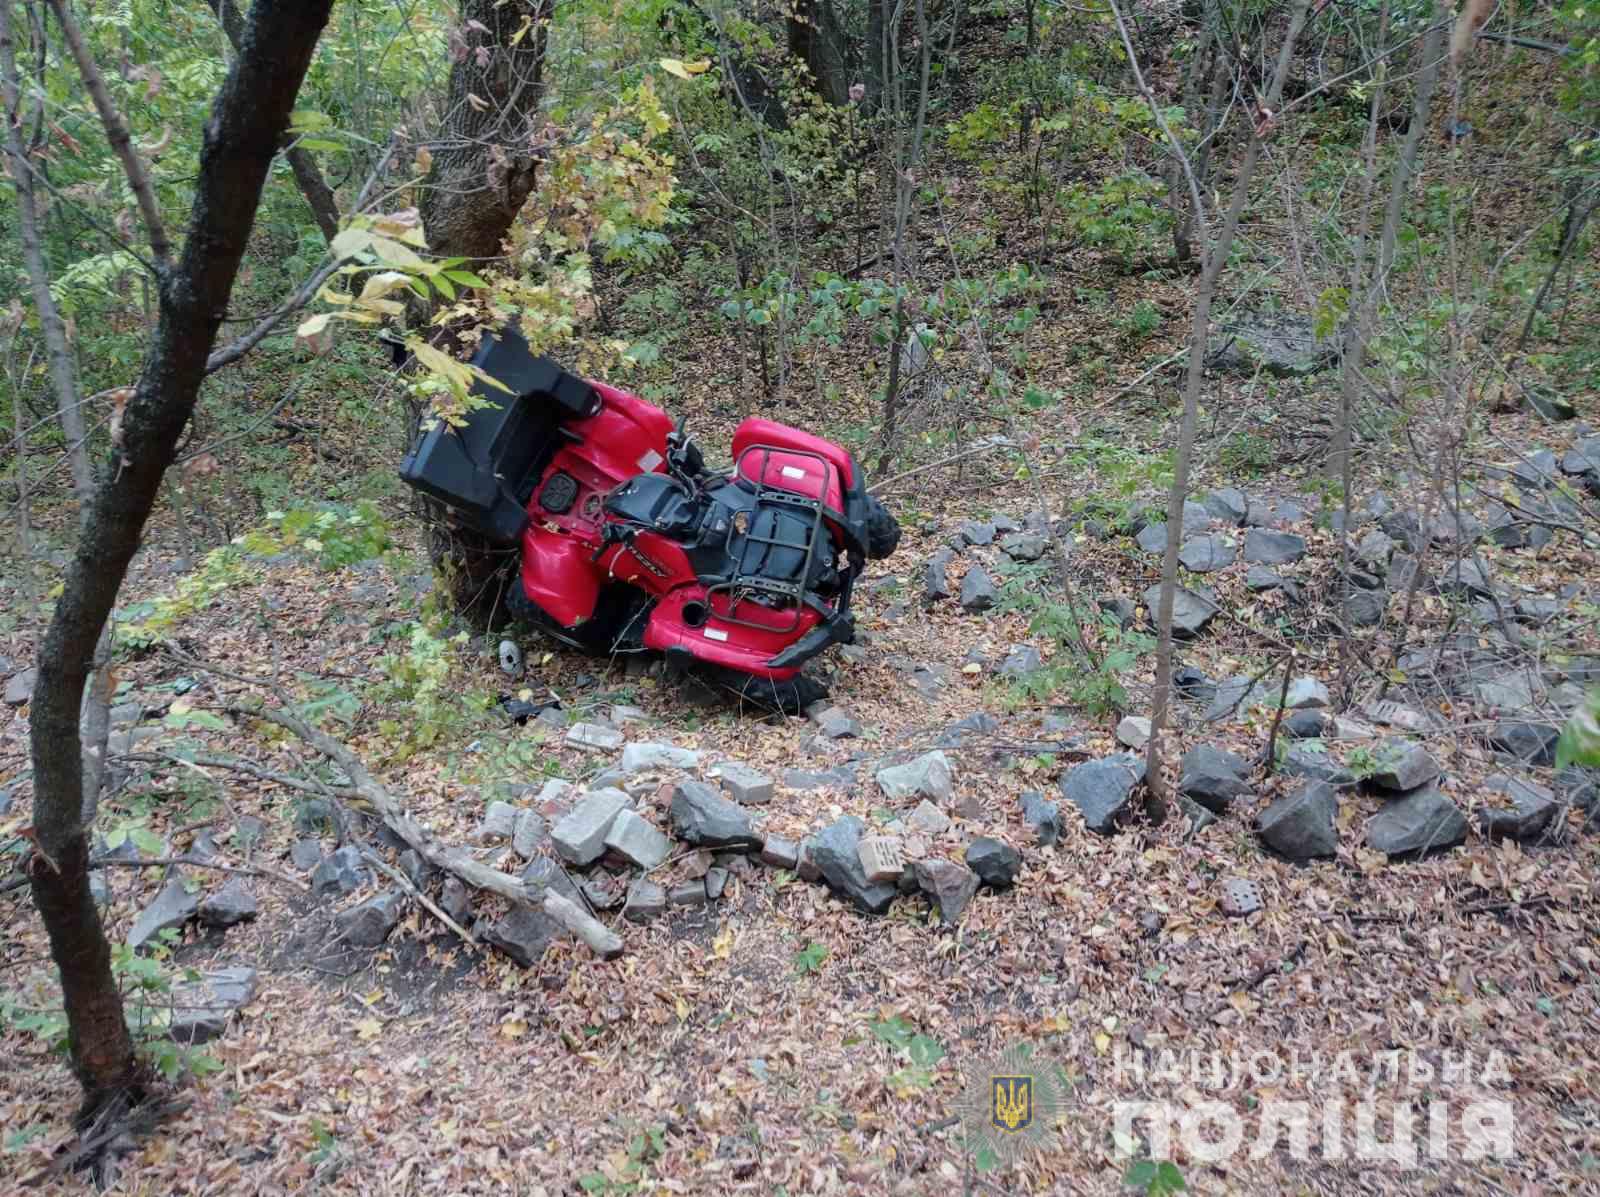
{"points": [[750, 574], [485, 471]]}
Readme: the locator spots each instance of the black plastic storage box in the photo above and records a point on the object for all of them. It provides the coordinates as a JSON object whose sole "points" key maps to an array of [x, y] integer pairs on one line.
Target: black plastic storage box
{"points": [[486, 470]]}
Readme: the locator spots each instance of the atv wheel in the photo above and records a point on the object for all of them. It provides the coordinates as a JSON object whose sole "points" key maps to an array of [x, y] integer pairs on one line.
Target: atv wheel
{"points": [[788, 697], [883, 530], [618, 617]]}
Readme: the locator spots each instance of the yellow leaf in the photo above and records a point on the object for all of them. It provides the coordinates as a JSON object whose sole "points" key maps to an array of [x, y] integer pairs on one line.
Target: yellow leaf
{"points": [[513, 1028], [675, 66], [682, 1008], [478, 102], [972, 667], [423, 162], [385, 281], [369, 1028], [1102, 1042], [722, 945], [392, 253], [349, 242]]}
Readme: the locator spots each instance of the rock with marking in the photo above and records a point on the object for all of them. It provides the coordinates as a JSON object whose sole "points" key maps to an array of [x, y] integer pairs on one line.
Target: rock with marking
{"points": [[882, 858], [835, 852], [780, 853]]}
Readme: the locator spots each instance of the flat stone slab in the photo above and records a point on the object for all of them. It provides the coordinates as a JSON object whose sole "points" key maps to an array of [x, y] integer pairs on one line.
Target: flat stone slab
{"points": [[1264, 547], [594, 737], [579, 836], [637, 840], [1403, 766], [173, 906], [703, 818], [930, 775], [638, 758], [1425, 820], [1103, 789], [1207, 554], [746, 786]]}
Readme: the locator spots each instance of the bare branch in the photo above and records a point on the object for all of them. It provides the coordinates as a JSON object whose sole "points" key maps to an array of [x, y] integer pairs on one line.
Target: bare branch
{"points": [[117, 134]]}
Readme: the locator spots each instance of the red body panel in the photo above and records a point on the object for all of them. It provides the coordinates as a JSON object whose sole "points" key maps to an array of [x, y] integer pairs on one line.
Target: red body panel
{"points": [[737, 646], [626, 437], [799, 470]]}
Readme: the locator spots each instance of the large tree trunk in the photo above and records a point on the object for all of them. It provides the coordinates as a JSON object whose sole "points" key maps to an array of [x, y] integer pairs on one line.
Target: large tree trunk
{"points": [[248, 121], [816, 40], [483, 157]]}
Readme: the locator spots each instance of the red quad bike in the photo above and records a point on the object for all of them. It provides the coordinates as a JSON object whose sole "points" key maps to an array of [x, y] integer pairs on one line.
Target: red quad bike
{"points": [[628, 543]]}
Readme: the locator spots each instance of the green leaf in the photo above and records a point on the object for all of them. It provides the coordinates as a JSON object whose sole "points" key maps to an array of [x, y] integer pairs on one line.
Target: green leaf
{"points": [[321, 143], [465, 278], [1141, 1174]]}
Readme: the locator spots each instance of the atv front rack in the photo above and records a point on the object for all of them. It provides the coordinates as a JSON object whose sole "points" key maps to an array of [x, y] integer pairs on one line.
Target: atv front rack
{"points": [[747, 580]]}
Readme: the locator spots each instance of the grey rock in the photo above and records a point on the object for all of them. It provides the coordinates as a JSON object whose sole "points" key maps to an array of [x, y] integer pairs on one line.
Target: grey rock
{"points": [[834, 852], [305, 855], [1133, 731], [314, 816], [1230, 693], [1583, 457], [703, 818], [929, 775], [638, 758], [1227, 505], [340, 872], [579, 836], [603, 942], [936, 576], [928, 819], [833, 722], [637, 840], [603, 891], [1305, 725], [19, 689], [1528, 741], [1403, 570], [1022, 660], [1199, 817], [528, 835], [646, 900], [499, 821], [1538, 610], [1195, 516], [1467, 577], [1300, 826], [1548, 405], [780, 853], [368, 924], [1538, 471], [977, 533], [746, 786], [1512, 690], [1305, 693], [1425, 820], [1301, 760], [806, 780], [1122, 610], [994, 861], [415, 868], [1263, 547], [1206, 554], [230, 905], [1532, 810], [689, 893], [173, 906], [1364, 608], [1193, 684], [202, 1009], [1374, 550], [455, 899], [1191, 611], [204, 846], [544, 875], [1403, 766], [7, 801], [1152, 538], [1004, 524], [1284, 344], [594, 737], [1024, 546], [1044, 816], [949, 885], [521, 934], [1213, 777], [1103, 789], [1455, 528], [977, 590]]}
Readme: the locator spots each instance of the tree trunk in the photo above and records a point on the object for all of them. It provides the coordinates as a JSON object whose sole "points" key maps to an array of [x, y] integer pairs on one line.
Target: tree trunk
{"points": [[1216, 260], [248, 120], [815, 39], [483, 162], [319, 196]]}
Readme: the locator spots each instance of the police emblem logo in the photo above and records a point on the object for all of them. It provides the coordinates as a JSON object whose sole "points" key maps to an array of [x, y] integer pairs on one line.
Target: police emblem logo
{"points": [[1013, 1103]]}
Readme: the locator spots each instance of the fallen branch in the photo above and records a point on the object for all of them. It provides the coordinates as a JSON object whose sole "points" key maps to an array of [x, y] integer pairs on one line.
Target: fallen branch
{"points": [[427, 903], [147, 862]]}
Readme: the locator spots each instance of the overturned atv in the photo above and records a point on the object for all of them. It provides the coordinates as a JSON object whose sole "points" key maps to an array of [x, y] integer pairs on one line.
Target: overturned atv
{"points": [[628, 543]]}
